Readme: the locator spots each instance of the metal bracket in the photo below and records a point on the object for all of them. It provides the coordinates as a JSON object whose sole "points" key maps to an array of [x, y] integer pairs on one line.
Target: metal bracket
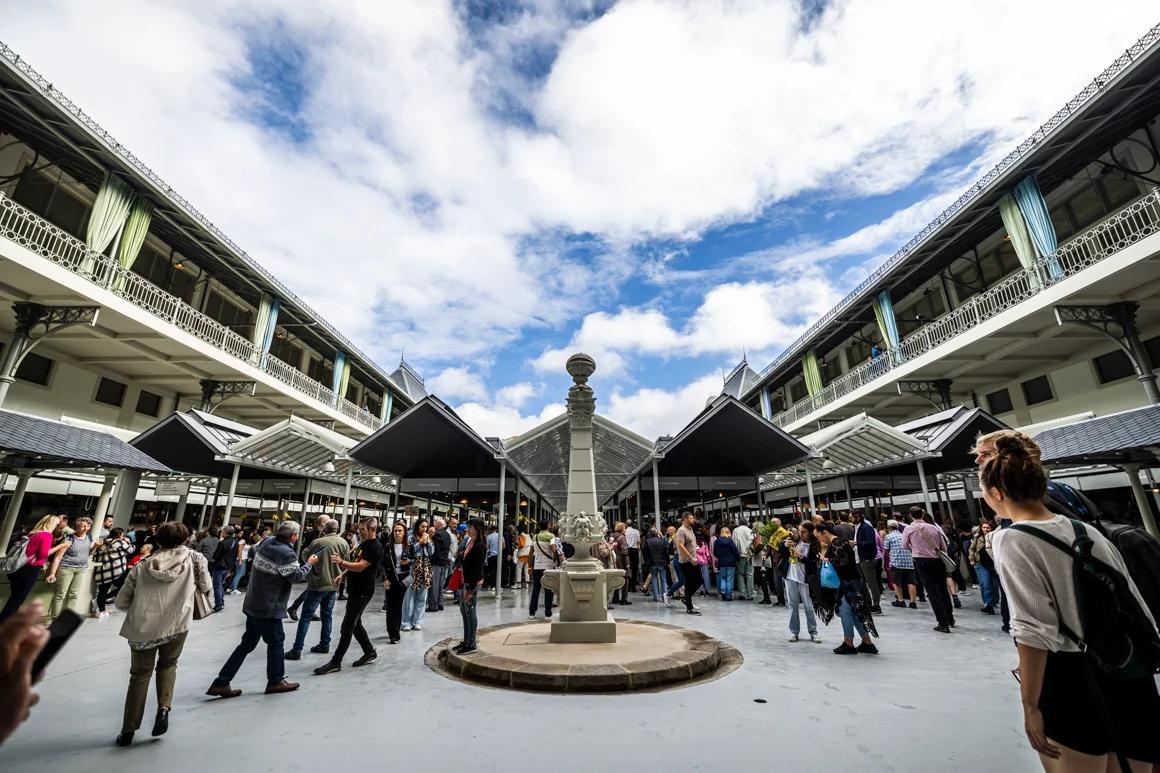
{"points": [[223, 390], [34, 323], [937, 391], [1118, 322]]}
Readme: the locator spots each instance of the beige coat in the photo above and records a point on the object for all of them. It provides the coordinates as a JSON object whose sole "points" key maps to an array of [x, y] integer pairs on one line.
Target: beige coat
{"points": [[158, 593]]}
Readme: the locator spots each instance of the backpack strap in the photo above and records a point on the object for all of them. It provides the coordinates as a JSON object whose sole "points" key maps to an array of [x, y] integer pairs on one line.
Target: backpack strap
{"points": [[1041, 534], [1081, 534]]}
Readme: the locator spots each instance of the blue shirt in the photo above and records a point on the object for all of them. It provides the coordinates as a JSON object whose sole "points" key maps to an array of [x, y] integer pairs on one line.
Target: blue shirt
{"points": [[493, 544], [900, 557]]}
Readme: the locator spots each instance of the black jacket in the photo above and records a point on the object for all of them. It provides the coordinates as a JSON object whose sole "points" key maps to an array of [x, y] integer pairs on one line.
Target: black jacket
{"points": [[442, 542], [388, 570], [473, 564], [655, 553]]}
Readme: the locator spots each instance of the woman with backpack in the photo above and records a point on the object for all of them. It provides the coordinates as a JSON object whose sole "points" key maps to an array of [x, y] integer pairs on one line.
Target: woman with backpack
{"points": [[26, 559], [1077, 712]]}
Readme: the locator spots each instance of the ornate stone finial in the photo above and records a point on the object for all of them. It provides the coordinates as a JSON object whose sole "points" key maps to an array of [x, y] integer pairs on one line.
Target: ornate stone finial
{"points": [[580, 366]]}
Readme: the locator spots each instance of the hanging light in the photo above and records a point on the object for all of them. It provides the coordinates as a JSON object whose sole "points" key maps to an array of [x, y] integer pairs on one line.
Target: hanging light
{"points": [[828, 464], [328, 467], [376, 479]]}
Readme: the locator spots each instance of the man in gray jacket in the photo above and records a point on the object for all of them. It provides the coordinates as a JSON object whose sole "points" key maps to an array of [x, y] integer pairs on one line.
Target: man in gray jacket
{"points": [[276, 569]]}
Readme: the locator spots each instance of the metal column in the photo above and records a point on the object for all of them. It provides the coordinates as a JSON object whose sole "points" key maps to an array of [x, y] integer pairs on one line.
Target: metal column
{"points": [[14, 502], [346, 500], [1141, 499], [499, 531], [657, 496], [922, 482], [125, 496], [102, 501], [182, 503], [230, 495], [810, 489]]}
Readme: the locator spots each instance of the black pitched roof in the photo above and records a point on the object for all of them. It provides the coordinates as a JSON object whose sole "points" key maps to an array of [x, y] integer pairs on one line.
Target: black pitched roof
{"points": [[951, 434], [29, 441], [1129, 436]]}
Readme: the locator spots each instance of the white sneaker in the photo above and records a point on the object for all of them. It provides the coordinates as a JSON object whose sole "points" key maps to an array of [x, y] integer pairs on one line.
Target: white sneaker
{"points": [[668, 601], [405, 628], [792, 637], [416, 628], [814, 638]]}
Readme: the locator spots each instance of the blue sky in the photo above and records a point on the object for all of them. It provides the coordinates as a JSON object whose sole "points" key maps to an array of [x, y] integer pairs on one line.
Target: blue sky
{"points": [[491, 186]]}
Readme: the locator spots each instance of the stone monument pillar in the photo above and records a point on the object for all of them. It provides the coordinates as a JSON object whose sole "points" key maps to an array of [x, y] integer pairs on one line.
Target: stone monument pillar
{"points": [[582, 584]]}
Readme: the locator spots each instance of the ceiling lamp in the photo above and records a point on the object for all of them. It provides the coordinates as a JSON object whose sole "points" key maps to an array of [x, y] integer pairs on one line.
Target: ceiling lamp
{"points": [[328, 467]]}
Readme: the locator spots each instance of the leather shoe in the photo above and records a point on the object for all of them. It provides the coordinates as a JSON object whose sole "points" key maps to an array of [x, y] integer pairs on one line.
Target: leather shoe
{"points": [[124, 739], [293, 613], [279, 687], [223, 691], [328, 668], [293, 655], [369, 657], [161, 723], [318, 649]]}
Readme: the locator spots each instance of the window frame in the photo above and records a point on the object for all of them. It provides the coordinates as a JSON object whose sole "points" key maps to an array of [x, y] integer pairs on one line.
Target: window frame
{"points": [[101, 381]]}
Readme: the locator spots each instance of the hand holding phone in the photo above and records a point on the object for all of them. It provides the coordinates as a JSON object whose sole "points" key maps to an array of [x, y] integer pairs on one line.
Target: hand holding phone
{"points": [[59, 633], [21, 641]]}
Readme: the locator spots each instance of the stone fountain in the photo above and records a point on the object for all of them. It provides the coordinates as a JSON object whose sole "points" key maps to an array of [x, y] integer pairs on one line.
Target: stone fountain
{"points": [[582, 584]]}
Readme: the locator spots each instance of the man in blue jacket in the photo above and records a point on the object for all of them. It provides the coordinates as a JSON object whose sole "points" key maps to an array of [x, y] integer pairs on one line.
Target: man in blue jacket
{"points": [[866, 540], [276, 569]]}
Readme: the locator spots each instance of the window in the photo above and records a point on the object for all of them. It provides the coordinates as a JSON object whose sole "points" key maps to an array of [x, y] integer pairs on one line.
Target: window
{"points": [[1113, 366], [999, 402], [148, 403], [48, 196], [284, 350], [1037, 390], [1087, 206], [35, 369], [225, 311], [1152, 345], [110, 392]]}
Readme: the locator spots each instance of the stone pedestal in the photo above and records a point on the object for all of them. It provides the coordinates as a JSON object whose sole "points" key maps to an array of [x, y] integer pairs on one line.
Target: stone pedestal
{"points": [[583, 587]]}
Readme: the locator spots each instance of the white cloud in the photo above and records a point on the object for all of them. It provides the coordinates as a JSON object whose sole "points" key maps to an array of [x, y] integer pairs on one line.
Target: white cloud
{"points": [[652, 412], [504, 420], [457, 383], [515, 395]]}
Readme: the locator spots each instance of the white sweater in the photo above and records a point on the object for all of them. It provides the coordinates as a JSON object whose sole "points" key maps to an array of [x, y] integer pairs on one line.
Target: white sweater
{"points": [[1039, 582]]}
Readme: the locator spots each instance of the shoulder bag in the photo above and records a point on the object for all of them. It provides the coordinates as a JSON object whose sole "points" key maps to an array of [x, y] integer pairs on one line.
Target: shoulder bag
{"points": [[202, 607]]}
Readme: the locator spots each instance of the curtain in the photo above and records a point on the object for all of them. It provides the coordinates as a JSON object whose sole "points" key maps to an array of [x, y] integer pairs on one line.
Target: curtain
{"points": [[267, 320], [1017, 230], [766, 403], [109, 213], [388, 401], [336, 379], [812, 373], [884, 314], [133, 236], [345, 382], [1034, 209]]}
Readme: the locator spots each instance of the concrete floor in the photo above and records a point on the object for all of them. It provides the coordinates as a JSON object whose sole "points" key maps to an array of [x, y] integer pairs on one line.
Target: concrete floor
{"points": [[929, 702]]}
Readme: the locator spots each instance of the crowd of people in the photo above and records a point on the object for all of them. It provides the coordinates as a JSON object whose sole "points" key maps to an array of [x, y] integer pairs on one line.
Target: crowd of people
{"points": [[1085, 634]]}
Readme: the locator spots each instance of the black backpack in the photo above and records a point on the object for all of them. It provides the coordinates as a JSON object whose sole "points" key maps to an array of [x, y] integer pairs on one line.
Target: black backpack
{"points": [[1119, 638]]}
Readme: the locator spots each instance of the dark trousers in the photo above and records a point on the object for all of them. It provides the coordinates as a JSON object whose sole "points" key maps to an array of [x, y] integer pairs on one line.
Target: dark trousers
{"points": [[634, 566], [435, 592], [103, 591], [20, 584], [509, 570], [395, 595], [352, 626], [298, 601], [489, 575], [934, 577], [692, 574], [760, 577], [537, 583], [777, 579], [264, 629]]}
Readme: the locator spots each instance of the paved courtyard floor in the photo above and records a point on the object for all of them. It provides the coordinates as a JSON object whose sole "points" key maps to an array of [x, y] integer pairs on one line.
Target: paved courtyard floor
{"points": [[929, 702]]}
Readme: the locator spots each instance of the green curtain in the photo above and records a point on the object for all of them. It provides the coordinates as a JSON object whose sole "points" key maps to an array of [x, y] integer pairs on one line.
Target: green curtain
{"points": [[812, 373], [1017, 230], [136, 228], [342, 385], [109, 213]]}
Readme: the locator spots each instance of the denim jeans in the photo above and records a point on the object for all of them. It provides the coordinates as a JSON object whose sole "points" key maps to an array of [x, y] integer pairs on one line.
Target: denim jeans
{"points": [[239, 573], [314, 599], [799, 593], [725, 577], [467, 609], [850, 621], [680, 577], [537, 584], [988, 585], [660, 578], [267, 629], [414, 607], [219, 587], [745, 578], [705, 577]]}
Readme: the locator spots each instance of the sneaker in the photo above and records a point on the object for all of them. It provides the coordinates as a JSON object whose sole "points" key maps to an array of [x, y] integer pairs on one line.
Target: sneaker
{"points": [[765, 601], [815, 639], [955, 600], [898, 603], [942, 629], [293, 614], [329, 667], [459, 648], [693, 611], [405, 628], [466, 650], [988, 610], [532, 616], [668, 601], [416, 628], [867, 649], [280, 687], [845, 649], [318, 649], [792, 637], [369, 657], [222, 691], [913, 605], [965, 592], [293, 655]]}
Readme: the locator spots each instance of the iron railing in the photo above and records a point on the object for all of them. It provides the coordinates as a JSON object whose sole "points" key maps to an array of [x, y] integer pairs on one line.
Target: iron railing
{"points": [[1097, 85], [27, 229], [1134, 222]]}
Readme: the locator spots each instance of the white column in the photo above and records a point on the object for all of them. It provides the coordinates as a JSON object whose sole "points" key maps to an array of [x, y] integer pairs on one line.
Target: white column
{"points": [[206, 507], [499, 530], [182, 501], [230, 496], [1141, 498], [657, 494], [17, 498], [925, 488], [125, 496], [103, 500], [810, 489], [346, 500]]}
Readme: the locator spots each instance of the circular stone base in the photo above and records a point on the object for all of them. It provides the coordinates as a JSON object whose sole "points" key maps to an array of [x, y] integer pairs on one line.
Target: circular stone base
{"points": [[645, 656]]}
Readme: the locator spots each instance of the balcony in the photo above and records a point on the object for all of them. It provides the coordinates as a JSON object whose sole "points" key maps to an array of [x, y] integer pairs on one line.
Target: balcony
{"points": [[41, 237], [1136, 221]]}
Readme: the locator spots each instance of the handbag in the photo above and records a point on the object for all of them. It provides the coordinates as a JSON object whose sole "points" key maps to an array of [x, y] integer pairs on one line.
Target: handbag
{"points": [[202, 606], [948, 563], [455, 582], [829, 575]]}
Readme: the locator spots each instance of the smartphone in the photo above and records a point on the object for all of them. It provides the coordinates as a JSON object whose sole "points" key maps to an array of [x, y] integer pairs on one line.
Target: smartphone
{"points": [[59, 633]]}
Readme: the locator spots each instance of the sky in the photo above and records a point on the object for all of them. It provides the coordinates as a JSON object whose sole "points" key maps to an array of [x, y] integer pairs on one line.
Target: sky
{"points": [[490, 186]]}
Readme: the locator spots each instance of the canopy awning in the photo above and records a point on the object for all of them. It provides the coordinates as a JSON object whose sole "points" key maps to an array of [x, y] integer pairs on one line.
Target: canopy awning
{"points": [[544, 453], [191, 442], [857, 444], [30, 442], [951, 434], [726, 440], [295, 446], [1127, 437], [429, 442]]}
